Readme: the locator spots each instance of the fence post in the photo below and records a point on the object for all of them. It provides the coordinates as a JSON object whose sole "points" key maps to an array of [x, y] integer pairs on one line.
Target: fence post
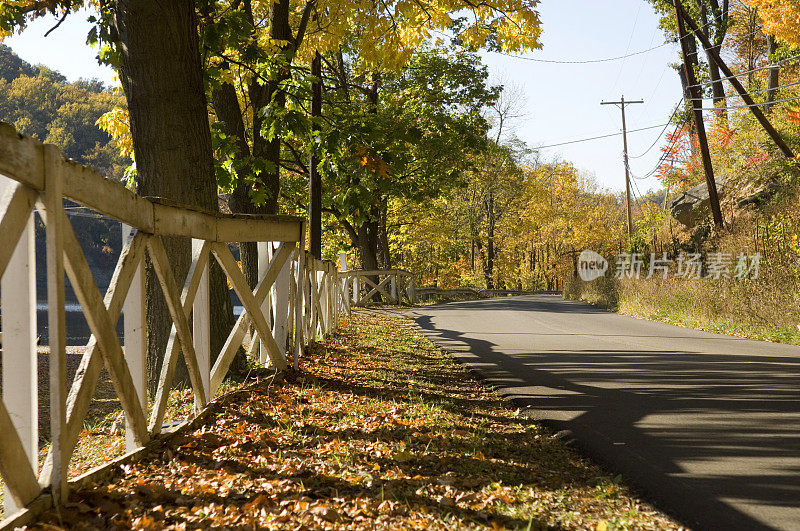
{"points": [[56, 319], [280, 306], [343, 282], [20, 381], [412, 290], [307, 285], [356, 288], [135, 336], [201, 324], [298, 307], [393, 288], [337, 302], [263, 262], [331, 285]]}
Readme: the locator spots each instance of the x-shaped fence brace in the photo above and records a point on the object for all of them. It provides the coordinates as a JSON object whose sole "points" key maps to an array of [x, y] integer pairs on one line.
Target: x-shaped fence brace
{"points": [[307, 295]]}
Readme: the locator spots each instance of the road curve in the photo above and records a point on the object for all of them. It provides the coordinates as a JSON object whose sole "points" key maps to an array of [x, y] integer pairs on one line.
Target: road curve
{"points": [[706, 426]]}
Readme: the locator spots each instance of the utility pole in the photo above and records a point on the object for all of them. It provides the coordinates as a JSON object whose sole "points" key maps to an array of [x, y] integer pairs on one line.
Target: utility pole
{"points": [[697, 107], [621, 104]]}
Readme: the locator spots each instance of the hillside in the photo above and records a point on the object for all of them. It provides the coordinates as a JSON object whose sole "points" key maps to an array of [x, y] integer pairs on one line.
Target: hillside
{"points": [[42, 103]]}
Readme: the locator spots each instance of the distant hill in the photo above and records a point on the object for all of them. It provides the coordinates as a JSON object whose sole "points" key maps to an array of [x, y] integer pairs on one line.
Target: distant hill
{"points": [[12, 66], [41, 102]]}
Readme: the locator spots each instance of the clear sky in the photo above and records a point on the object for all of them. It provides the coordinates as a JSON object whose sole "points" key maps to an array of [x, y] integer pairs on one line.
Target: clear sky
{"points": [[561, 101]]}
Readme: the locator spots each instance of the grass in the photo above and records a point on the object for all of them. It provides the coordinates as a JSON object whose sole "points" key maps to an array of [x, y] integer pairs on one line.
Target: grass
{"points": [[379, 429], [766, 309]]}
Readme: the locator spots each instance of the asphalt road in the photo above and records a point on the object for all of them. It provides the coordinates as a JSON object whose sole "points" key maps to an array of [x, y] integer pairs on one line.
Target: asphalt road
{"points": [[705, 426]]}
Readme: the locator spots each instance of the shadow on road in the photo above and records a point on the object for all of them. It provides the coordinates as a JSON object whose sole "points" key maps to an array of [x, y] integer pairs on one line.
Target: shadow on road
{"points": [[711, 437]]}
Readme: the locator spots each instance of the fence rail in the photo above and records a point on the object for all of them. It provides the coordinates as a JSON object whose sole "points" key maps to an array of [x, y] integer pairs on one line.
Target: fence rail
{"points": [[297, 299]]}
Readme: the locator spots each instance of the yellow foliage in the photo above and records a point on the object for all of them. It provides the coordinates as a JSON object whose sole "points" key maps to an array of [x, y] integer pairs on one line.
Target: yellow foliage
{"points": [[781, 18], [389, 32], [116, 123]]}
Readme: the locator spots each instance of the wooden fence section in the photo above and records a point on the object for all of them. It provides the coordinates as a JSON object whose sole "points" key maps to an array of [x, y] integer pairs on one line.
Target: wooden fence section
{"points": [[297, 300], [392, 286]]}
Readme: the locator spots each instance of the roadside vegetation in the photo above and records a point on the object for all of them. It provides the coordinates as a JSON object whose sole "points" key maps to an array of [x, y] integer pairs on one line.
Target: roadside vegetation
{"points": [[379, 428], [759, 188]]}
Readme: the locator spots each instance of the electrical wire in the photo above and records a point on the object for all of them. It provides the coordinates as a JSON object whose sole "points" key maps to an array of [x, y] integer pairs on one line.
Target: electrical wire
{"points": [[771, 65], [584, 61], [669, 120], [627, 48], [732, 107], [590, 61], [760, 91], [661, 160], [600, 136]]}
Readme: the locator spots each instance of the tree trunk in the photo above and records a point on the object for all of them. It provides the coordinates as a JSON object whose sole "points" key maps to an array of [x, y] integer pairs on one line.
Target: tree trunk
{"points": [[488, 271], [368, 245], [384, 257], [314, 179], [751, 48], [717, 89], [687, 93], [270, 96], [226, 107], [161, 74], [772, 75]]}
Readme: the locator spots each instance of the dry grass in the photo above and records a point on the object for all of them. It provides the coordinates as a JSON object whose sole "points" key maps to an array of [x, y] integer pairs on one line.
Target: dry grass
{"points": [[379, 429], [767, 308], [762, 309]]}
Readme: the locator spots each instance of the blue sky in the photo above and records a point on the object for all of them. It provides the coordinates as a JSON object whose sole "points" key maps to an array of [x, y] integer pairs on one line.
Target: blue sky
{"points": [[561, 101]]}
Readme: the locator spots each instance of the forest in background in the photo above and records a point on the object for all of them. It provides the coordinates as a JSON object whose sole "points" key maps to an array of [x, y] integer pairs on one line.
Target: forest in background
{"points": [[421, 168]]}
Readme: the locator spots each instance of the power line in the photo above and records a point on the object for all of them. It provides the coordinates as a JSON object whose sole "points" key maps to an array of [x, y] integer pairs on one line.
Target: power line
{"points": [[590, 61], [627, 48], [601, 136], [771, 65], [760, 91], [748, 106], [584, 61], [677, 106], [661, 160]]}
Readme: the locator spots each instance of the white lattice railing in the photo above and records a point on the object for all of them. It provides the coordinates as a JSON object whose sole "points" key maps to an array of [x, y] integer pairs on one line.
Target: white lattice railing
{"points": [[297, 299], [391, 286]]}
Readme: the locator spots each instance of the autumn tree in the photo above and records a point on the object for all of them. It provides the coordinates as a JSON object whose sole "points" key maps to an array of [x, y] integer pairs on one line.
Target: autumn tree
{"points": [[405, 134], [781, 18]]}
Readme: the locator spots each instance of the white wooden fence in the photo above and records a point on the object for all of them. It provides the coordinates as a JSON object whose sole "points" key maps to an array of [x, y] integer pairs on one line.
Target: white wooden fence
{"points": [[297, 300], [392, 286]]}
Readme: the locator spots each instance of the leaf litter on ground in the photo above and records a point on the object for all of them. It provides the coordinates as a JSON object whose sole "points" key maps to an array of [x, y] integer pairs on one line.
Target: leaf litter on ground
{"points": [[378, 429]]}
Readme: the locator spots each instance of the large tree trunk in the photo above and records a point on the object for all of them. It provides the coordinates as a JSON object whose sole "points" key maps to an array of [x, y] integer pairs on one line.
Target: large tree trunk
{"points": [[687, 95], [717, 89], [226, 107], [161, 74], [273, 98]]}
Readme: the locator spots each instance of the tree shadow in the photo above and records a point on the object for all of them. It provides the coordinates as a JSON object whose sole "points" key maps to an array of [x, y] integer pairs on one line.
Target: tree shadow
{"points": [[706, 426]]}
